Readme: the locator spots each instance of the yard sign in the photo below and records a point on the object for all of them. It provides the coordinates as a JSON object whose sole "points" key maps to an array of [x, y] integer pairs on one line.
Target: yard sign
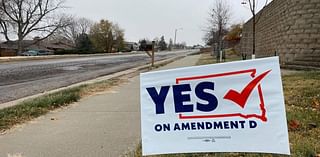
{"points": [[229, 107]]}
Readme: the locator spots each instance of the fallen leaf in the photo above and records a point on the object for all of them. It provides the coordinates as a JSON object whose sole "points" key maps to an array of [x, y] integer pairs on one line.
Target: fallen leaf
{"points": [[294, 124], [315, 103]]}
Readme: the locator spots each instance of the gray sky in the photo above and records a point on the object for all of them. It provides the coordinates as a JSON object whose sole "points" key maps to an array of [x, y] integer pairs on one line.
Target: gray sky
{"points": [[154, 18]]}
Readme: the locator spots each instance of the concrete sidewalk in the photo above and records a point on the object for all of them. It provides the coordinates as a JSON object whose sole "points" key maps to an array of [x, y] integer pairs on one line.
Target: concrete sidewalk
{"points": [[104, 125]]}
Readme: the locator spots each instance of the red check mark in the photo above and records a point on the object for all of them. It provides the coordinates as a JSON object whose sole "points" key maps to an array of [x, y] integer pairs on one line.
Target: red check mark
{"points": [[241, 98]]}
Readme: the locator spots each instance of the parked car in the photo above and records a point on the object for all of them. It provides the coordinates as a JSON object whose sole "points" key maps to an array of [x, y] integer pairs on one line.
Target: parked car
{"points": [[43, 52], [30, 53]]}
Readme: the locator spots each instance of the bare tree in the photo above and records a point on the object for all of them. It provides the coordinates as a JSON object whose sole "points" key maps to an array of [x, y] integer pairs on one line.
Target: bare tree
{"points": [[219, 17], [76, 27], [20, 18], [253, 7], [118, 37]]}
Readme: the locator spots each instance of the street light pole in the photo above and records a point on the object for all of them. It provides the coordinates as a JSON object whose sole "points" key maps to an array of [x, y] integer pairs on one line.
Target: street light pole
{"points": [[175, 35]]}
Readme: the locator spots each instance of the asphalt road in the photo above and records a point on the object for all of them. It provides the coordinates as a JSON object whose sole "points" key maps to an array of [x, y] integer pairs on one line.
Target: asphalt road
{"points": [[25, 78]]}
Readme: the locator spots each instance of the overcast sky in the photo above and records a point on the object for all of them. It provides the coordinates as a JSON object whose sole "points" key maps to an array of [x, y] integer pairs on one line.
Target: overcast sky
{"points": [[154, 18]]}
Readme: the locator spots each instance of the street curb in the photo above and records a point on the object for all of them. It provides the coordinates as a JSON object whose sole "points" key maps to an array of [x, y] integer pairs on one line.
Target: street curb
{"points": [[99, 79], [300, 68], [32, 58]]}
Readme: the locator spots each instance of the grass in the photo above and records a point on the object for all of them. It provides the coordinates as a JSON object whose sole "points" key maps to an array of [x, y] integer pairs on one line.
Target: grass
{"points": [[302, 99], [33, 108], [207, 58]]}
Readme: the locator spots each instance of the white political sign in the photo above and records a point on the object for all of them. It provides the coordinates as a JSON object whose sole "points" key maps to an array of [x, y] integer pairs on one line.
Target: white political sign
{"points": [[228, 107]]}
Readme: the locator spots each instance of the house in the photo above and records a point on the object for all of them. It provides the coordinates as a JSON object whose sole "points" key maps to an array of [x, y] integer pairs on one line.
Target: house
{"points": [[10, 48], [130, 46], [59, 44]]}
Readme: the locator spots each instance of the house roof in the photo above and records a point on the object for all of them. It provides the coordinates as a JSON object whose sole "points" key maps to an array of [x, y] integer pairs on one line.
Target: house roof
{"points": [[58, 45], [36, 45], [131, 43]]}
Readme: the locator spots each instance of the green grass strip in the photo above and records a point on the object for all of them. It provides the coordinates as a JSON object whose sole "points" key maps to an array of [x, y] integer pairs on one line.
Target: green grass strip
{"points": [[36, 107]]}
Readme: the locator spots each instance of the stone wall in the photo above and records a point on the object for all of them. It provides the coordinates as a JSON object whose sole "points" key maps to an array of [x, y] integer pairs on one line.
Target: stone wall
{"points": [[291, 28]]}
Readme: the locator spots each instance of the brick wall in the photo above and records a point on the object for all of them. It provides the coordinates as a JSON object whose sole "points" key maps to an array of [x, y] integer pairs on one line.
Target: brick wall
{"points": [[289, 27]]}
